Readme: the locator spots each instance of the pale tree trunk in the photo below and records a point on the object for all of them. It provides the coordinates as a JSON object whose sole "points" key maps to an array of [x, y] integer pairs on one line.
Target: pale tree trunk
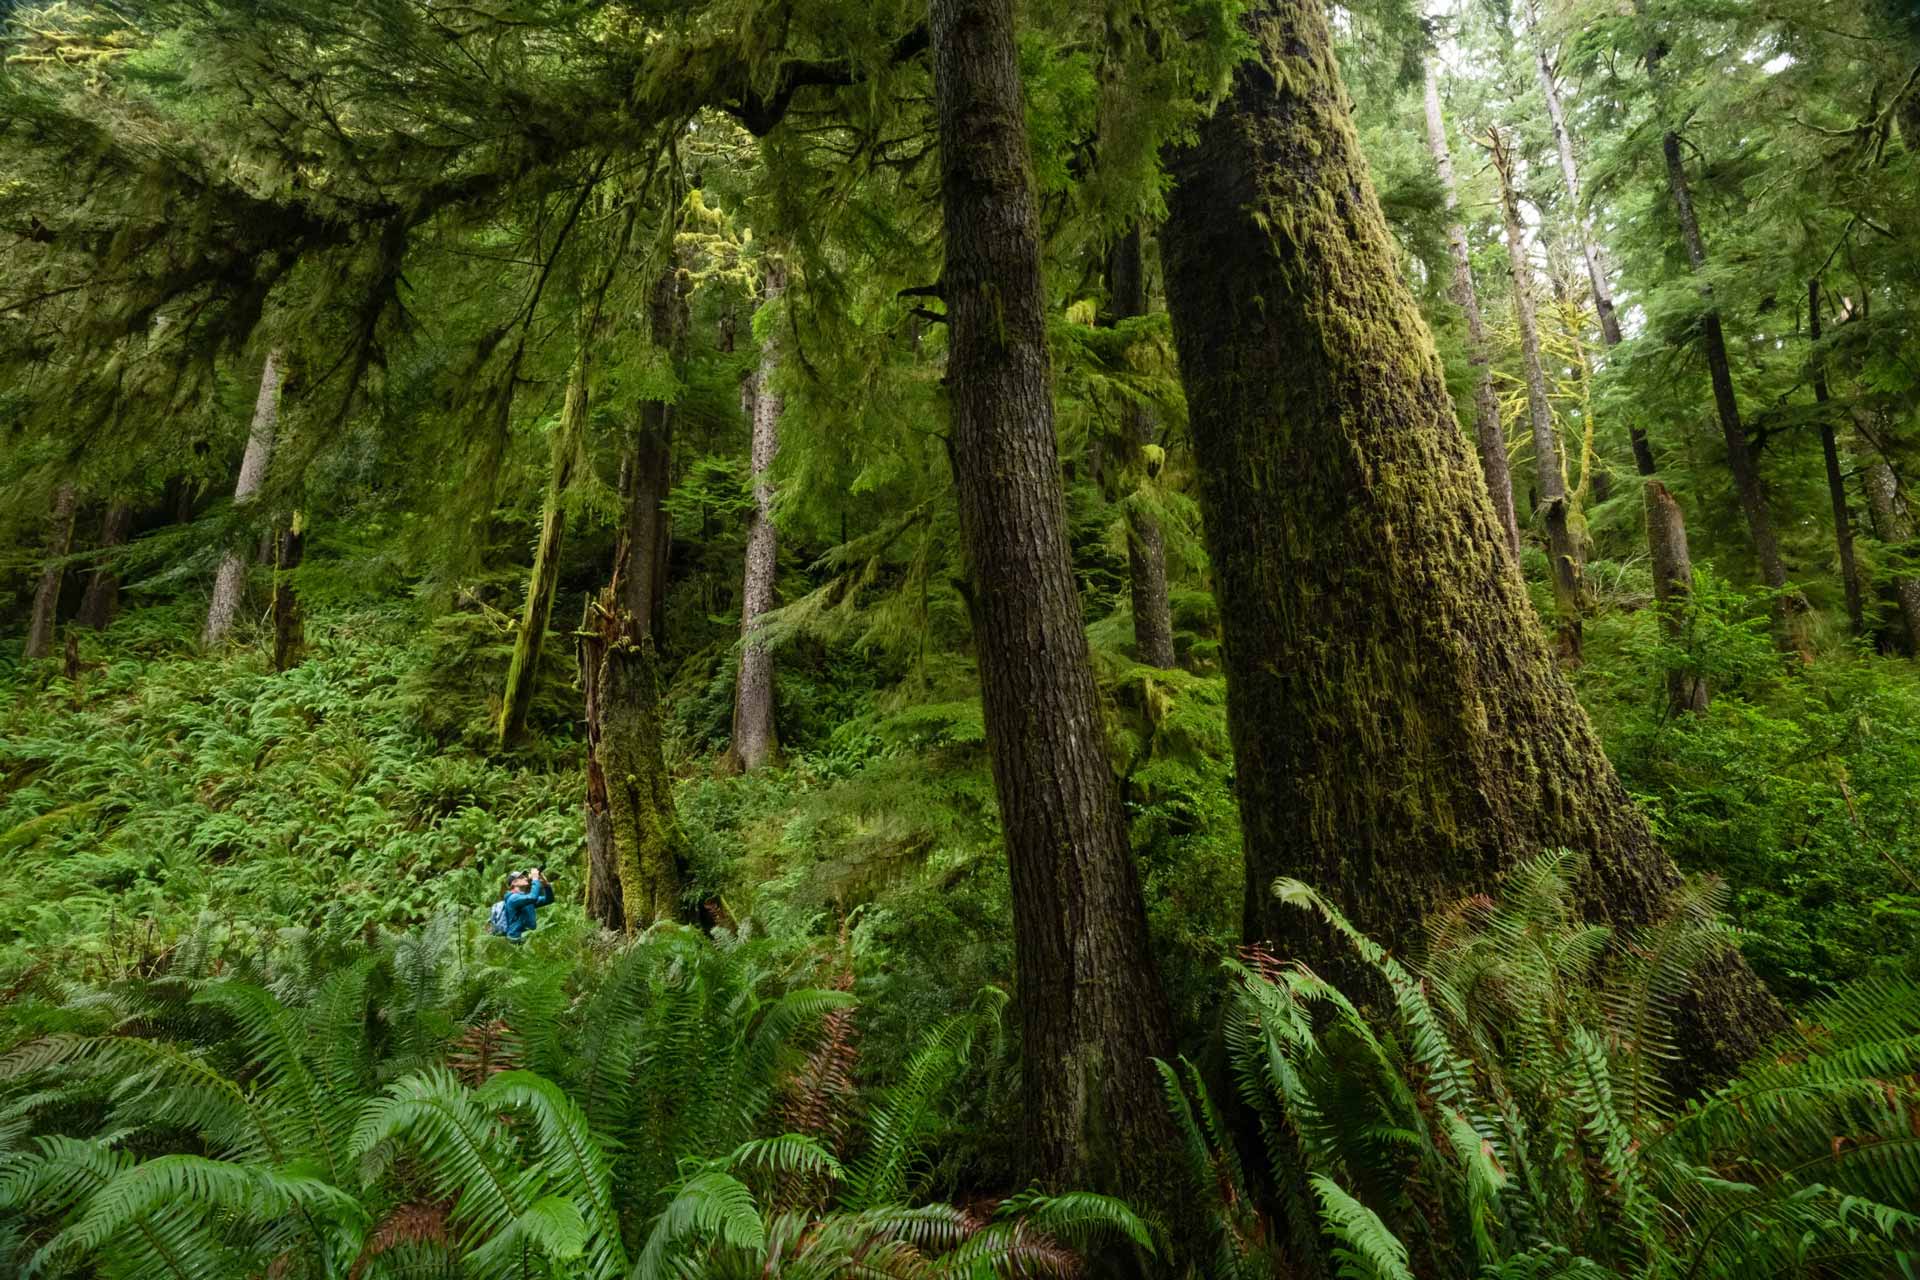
{"points": [[1401, 737], [754, 737], [1488, 434], [1836, 482], [1894, 526], [1146, 541], [1092, 1012], [46, 597], [1673, 590], [1550, 475], [102, 600], [230, 583], [524, 671]]}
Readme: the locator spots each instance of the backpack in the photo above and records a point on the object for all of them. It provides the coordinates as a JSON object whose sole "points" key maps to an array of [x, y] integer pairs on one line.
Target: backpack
{"points": [[497, 918]]}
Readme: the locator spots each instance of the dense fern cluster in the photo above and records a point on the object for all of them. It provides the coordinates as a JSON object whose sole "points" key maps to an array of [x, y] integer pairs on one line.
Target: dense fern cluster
{"points": [[1504, 1111], [438, 1102]]}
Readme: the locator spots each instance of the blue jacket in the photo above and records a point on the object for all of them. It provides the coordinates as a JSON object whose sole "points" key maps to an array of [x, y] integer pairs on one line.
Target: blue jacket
{"points": [[520, 908]]}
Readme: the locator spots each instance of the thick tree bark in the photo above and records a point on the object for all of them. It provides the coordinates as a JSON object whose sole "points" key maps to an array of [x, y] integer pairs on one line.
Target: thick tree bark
{"points": [[1092, 1012], [1549, 471], [1401, 737], [230, 583], [102, 600], [646, 472], [523, 672], [605, 903], [754, 736], [1673, 590], [46, 596], [1836, 482], [1488, 433], [649, 851], [1146, 542], [1894, 526], [289, 626]]}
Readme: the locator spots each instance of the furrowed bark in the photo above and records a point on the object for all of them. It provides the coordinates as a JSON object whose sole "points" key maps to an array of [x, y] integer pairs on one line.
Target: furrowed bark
{"points": [[1488, 433], [1836, 482], [1549, 471], [46, 596], [605, 903], [230, 583], [1673, 591], [1146, 542], [649, 851], [647, 470], [102, 600], [1401, 736], [289, 626], [1092, 1012], [754, 736], [523, 672]]}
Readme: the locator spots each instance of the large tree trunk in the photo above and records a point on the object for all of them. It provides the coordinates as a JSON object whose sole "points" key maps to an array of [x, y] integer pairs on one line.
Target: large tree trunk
{"points": [[1092, 1012], [289, 626], [102, 600], [1836, 482], [1894, 527], [1487, 430], [1401, 737], [605, 904], [1146, 542], [648, 849], [1673, 590], [754, 737], [524, 671], [230, 583], [646, 473], [1550, 473], [46, 597]]}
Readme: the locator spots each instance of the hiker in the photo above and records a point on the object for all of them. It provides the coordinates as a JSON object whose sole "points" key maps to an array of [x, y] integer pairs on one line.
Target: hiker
{"points": [[513, 916]]}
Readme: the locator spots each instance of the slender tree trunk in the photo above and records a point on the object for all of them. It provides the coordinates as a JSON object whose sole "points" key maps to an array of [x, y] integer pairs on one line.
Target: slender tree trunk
{"points": [[102, 600], [289, 626], [1549, 471], [46, 597], [1146, 542], [1673, 591], [1400, 735], [1092, 1012], [1487, 430], [1836, 482], [524, 671], [754, 736], [647, 471], [230, 583], [1894, 527]]}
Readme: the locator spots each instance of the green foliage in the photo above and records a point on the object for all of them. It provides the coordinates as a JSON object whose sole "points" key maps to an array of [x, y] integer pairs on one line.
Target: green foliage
{"points": [[1501, 1109]]}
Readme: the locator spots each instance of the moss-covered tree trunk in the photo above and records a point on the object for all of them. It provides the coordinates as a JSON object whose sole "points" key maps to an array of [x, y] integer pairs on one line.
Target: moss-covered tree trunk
{"points": [[754, 736], [646, 472], [524, 670], [1401, 735], [605, 904], [230, 583], [1488, 433], [1549, 469], [1893, 526], [1092, 1012], [1836, 480], [289, 625], [1673, 591], [46, 595], [102, 599], [648, 849], [1146, 541]]}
